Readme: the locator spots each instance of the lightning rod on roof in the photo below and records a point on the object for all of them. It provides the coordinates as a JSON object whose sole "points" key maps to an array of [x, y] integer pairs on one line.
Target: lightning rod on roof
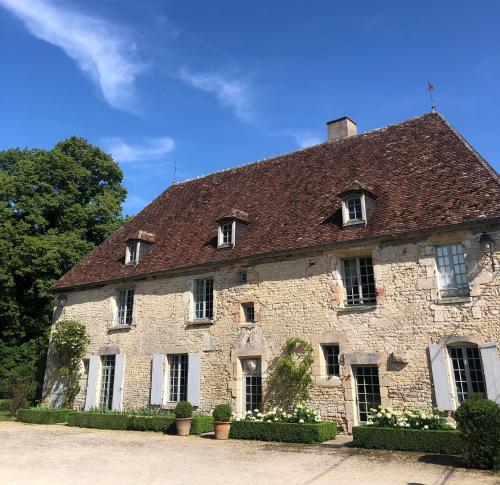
{"points": [[430, 88], [175, 170]]}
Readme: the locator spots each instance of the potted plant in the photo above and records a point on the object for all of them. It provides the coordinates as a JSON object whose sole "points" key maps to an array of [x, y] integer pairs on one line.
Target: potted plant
{"points": [[183, 417], [222, 421]]}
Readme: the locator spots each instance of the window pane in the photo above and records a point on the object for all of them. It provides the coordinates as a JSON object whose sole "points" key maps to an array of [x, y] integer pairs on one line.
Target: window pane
{"points": [[367, 390], [452, 274], [125, 307], [359, 281], [467, 371], [227, 232], [354, 208], [331, 353], [132, 252], [252, 381], [178, 375], [107, 381], [204, 298], [249, 310]]}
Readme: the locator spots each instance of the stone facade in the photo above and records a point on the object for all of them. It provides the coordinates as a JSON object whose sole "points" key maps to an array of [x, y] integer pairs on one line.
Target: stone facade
{"points": [[300, 296]]}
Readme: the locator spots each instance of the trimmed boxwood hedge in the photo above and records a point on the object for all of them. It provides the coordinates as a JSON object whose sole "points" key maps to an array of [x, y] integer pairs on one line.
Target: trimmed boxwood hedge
{"points": [[428, 441], [290, 432], [165, 424], [4, 405], [43, 415]]}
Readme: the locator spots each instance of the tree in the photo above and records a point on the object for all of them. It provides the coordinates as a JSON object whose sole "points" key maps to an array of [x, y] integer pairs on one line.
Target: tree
{"points": [[55, 207]]}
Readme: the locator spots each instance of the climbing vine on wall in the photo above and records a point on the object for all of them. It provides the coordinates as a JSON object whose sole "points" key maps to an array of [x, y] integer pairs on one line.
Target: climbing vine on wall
{"points": [[289, 381], [68, 345]]}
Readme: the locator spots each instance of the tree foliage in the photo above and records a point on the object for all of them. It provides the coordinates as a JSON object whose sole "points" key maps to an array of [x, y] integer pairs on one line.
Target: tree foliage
{"points": [[290, 377], [55, 207]]}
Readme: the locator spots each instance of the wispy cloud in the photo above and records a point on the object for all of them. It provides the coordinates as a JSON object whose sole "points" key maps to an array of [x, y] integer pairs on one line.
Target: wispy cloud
{"points": [[304, 139], [232, 93], [149, 149], [101, 49]]}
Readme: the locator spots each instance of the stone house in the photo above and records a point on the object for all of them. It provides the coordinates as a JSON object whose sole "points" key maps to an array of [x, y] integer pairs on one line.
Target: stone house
{"points": [[375, 247]]}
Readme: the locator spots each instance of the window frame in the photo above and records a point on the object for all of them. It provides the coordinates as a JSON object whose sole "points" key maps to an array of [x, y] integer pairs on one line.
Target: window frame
{"points": [[181, 360], [465, 371], [204, 307], [221, 243], [455, 290], [125, 316], [346, 213], [350, 301], [128, 255], [326, 362], [248, 307]]}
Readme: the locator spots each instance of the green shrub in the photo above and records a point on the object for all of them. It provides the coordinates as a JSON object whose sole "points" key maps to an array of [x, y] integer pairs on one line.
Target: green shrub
{"points": [[202, 424], [222, 412], [164, 423], [290, 432], [479, 426], [429, 441], [4, 405], [43, 415], [183, 410]]}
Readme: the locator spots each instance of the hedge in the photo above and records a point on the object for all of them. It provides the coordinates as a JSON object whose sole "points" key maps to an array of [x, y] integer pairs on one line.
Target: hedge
{"points": [[290, 432], [428, 441], [4, 405], [43, 415], [165, 424]]}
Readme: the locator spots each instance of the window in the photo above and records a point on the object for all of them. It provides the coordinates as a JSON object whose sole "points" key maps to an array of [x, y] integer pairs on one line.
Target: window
{"points": [[125, 307], [204, 299], [226, 234], [452, 274], [331, 354], [359, 281], [243, 277], [131, 253], [178, 377], [467, 371], [249, 311], [353, 209], [252, 382], [367, 390], [107, 381]]}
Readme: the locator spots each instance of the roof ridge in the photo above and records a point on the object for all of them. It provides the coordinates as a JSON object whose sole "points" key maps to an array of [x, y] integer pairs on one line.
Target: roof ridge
{"points": [[273, 157]]}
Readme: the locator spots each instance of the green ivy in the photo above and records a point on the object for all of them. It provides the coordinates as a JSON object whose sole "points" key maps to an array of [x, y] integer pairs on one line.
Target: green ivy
{"points": [[68, 346], [290, 377]]}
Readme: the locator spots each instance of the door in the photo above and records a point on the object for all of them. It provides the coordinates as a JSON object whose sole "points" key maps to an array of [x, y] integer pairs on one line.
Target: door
{"points": [[107, 381], [367, 390]]}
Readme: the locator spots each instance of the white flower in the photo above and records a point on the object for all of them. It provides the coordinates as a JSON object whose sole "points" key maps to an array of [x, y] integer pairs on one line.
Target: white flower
{"points": [[275, 419], [388, 415], [301, 420], [379, 415], [426, 427], [255, 410]]}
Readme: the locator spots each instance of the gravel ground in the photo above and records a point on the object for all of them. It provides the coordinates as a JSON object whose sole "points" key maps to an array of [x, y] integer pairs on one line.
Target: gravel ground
{"points": [[37, 454]]}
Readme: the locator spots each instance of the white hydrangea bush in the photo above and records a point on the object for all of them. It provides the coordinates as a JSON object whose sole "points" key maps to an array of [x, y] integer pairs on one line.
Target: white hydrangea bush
{"points": [[411, 418], [301, 414]]}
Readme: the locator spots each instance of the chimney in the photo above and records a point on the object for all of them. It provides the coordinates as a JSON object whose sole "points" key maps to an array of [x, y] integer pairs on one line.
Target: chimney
{"points": [[341, 128]]}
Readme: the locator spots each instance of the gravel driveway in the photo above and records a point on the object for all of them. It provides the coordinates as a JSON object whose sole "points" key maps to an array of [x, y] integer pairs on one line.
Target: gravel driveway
{"points": [[36, 454]]}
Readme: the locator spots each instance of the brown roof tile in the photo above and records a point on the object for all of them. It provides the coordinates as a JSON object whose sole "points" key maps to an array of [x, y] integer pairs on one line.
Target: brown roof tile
{"points": [[423, 174]]}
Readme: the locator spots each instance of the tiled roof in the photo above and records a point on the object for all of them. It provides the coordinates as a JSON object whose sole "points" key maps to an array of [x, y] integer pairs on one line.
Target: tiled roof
{"points": [[423, 174]]}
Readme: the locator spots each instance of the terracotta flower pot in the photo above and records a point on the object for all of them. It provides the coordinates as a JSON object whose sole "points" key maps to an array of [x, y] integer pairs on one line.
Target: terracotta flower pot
{"points": [[183, 426], [222, 429]]}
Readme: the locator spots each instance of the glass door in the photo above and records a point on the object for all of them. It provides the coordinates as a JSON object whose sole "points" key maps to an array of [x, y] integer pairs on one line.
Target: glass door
{"points": [[367, 390], [107, 381], [252, 383]]}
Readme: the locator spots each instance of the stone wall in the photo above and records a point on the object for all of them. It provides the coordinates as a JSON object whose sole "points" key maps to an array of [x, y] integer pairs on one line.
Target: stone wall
{"points": [[301, 297]]}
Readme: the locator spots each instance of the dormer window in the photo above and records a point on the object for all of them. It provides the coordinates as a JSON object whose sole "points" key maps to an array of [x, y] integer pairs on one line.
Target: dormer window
{"points": [[227, 232], [138, 246], [358, 201], [231, 226], [131, 257]]}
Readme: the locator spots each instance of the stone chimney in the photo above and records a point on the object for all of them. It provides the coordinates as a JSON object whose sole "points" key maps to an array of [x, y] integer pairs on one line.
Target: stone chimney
{"points": [[341, 128]]}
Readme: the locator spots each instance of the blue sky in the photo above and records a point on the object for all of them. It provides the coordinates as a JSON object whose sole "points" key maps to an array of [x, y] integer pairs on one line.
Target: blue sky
{"points": [[209, 85]]}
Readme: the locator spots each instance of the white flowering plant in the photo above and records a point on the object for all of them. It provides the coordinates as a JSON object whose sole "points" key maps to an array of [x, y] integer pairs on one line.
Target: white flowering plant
{"points": [[409, 418], [300, 414]]}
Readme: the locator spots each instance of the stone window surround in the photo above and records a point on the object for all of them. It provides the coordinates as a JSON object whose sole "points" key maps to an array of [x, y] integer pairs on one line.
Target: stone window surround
{"points": [[378, 359], [319, 366], [241, 312], [236, 385]]}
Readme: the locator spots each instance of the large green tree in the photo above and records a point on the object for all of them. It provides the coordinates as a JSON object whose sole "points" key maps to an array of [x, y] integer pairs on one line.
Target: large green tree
{"points": [[55, 207]]}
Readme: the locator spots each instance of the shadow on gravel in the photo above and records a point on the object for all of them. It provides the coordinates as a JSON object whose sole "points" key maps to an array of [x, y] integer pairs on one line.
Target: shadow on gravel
{"points": [[443, 460]]}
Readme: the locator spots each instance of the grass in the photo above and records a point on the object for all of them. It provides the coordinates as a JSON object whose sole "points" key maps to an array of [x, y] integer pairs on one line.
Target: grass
{"points": [[5, 416]]}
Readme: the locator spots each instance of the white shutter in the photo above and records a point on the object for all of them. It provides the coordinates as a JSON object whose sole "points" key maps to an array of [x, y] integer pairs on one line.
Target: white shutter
{"points": [[438, 357], [118, 383], [91, 394], [157, 379], [193, 390], [491, 369]]}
